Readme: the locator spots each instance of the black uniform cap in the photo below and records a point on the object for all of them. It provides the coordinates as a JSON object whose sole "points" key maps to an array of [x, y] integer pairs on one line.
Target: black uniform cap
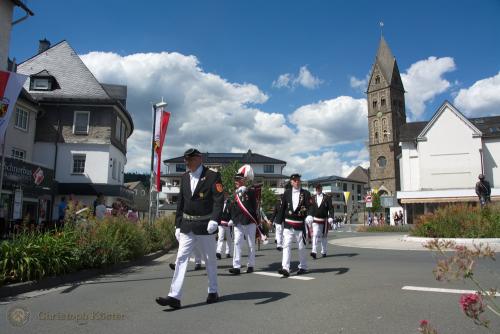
{"points": [[318, 185], [295, 176], [192, 152]]}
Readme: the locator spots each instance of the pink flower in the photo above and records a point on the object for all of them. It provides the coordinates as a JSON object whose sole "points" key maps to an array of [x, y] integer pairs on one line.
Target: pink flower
{"points": [[472, 305], [424, 323]]}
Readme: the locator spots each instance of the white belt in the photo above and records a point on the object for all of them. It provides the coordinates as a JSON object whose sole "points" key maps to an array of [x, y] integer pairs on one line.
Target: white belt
{"points": [[189, 217]]}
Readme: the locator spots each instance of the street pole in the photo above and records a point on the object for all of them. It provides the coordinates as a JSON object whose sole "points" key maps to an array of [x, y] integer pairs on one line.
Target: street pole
{"points": [[151, 178]]}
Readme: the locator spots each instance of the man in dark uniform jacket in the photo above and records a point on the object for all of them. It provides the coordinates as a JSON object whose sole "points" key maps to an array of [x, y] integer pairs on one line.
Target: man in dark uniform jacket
{"points": [[294, 213], [225, 230], [321, 210], [199, 209], [483, 190], [244, 219]]}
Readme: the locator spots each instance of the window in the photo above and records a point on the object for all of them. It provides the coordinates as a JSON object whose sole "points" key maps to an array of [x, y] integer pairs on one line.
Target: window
{"points": [[381, 162], [79, 163], [382, 102], [122, 138], [40, 84], [374, 104], [18, 154], [359, 189], [81, 122], [180, 168], [344, 186], [268, 168], [118, 128], [352, 186], [113, 169], [377, 79], [22, 118]]}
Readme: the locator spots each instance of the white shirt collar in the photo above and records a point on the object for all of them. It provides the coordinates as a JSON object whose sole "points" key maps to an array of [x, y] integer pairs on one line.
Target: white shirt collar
{"points": [[295, 190], [197, 172]]}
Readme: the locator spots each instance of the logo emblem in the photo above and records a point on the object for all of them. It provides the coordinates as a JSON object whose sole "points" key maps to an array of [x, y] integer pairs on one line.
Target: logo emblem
{"points": [[38, 176], [18, 316], [4, 106]]}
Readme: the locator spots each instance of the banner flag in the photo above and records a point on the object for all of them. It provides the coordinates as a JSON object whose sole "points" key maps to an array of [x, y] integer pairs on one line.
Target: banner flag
{"points": [[161, 124], [346, 196], [10, 87]]}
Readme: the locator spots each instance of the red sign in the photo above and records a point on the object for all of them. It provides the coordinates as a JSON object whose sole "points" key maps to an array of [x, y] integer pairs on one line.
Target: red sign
{"points": [[368, 198]]}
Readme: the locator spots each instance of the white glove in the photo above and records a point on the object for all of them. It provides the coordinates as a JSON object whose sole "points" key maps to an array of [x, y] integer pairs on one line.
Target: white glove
{"points": [[309, 220], [177, 233], [330, 221], [230, 223], [212, 226]]}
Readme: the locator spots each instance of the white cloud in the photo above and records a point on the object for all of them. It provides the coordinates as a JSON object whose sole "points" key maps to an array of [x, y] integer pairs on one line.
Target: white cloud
{"points": [[481, 99], [361, 84], [423, 81], [216, 115], [305, 79]]}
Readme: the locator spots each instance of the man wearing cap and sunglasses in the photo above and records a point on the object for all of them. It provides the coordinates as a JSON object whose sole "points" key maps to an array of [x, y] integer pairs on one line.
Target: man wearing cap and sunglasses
{"points": [[294, 213], [199, 209], [322, 212]]}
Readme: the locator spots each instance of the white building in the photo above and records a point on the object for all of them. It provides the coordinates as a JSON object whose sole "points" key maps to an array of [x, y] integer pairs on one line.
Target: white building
{"points": [[441, 160], [83, 129], [267, 170]]}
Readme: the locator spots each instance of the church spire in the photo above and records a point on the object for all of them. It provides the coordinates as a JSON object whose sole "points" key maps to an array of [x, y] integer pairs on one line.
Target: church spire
{"points": [[385, 59]]}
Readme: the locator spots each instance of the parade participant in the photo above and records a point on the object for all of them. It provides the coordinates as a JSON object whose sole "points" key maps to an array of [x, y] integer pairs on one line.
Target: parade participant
{"points": [[293, 213], [321, 210], [225, 231], [199, 209], [196, 256], [244, 218]]}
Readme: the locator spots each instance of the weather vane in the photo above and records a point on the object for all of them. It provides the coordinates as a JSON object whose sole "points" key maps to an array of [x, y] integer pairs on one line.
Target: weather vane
{"points": [[381, 24]]}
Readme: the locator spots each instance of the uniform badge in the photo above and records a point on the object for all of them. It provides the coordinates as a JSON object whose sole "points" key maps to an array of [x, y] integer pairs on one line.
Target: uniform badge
{"points": [[202, 195], [290, 212], [218, 187]]}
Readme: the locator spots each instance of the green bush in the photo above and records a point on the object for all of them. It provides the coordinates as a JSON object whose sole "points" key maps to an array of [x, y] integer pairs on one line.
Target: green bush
{"points": [[83, 243], [460, 221], [384, 228]]}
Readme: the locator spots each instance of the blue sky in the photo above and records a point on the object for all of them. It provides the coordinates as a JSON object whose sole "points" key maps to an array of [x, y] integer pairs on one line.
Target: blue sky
{"points": [[225, 58]]}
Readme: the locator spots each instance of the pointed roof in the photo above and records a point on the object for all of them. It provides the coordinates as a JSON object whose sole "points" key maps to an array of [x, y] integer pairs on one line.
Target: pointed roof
{"points": [[385, 59]]}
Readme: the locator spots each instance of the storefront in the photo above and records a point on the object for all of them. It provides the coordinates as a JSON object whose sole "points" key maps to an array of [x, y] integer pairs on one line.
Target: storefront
{"points": [[27, 192]]}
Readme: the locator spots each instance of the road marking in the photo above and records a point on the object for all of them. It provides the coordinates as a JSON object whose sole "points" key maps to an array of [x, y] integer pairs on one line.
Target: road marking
{"points": [[426, 289], [301, 278]]}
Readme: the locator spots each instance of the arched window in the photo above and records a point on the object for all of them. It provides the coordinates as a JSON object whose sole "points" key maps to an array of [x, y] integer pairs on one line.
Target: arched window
{"points": [[381, 162], [384, 129], [375, 131], [377, 79]]}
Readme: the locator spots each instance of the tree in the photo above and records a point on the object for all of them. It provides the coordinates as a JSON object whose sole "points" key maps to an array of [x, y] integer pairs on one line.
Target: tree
{"points": [[376, 207], [269, 198], [227, 173]]}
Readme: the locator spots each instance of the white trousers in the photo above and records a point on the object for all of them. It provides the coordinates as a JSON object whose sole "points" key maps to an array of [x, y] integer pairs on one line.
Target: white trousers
{"points": [[224, 231], [239, 232], [318, 237], [288, 235], [279, 235], [197, 254], [187, 243]]}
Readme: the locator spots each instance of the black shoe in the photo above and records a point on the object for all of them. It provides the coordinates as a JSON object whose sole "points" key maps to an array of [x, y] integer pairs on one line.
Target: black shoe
{"points": [[172, 266], [218, 256], [228, 256], [279, 249], [169, 301], [301, 272], [313, 255], [234, 271], [212, 298], [284, 272], [249, 270], [197, 266], [323, 255]]}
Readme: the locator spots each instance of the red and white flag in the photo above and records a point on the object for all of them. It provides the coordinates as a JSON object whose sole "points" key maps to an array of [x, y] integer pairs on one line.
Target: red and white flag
{"points": [[161, 124], [10, 87]]}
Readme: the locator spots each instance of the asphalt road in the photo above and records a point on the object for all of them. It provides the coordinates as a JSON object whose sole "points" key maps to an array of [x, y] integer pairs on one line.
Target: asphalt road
{"points": [[353, 290]]}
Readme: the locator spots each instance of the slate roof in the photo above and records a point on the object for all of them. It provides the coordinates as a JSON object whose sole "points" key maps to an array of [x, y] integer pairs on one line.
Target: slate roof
{"points": [[331, 178], [385, 59], [410, 131], [359, 174], [223, 158]]}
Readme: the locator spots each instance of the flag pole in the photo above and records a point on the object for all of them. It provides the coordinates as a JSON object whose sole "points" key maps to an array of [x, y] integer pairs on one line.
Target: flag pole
{"points": [[151, 178]]}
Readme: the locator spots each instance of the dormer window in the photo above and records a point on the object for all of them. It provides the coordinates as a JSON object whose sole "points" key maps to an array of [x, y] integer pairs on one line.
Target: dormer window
{"points": [[43, 81]]}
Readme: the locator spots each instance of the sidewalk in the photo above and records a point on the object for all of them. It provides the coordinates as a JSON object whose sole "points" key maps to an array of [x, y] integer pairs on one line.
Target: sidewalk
{"points": [[398, 241]]}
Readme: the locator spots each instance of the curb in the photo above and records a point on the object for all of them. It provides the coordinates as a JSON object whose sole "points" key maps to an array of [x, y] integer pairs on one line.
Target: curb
{"points": [[464, 241], [78, 276]]}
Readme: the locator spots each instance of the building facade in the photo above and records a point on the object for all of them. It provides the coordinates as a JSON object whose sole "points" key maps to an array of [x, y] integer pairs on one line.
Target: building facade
{"points": [[347, 195], [83, 128], [441, 160], [267, 170]]}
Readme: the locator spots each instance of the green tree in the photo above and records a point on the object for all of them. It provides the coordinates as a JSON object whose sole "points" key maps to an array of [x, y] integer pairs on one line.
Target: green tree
{"points": [[269, 198], [376, 207], [227, 173]]}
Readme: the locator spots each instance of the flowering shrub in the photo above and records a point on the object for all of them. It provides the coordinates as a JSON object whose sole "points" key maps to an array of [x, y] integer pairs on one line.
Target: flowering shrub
{"points": [[460, 221], [384, 228], [460, 265]]}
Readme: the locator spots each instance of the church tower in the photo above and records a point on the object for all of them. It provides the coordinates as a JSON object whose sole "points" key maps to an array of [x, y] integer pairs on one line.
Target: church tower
{"points": [[386, 115]]}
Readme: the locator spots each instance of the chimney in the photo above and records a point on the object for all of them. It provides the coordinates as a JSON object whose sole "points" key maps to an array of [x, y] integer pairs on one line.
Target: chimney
{"points": [[43, 45]]}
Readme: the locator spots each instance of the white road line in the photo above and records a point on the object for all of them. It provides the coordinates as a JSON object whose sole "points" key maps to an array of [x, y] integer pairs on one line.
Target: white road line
{"points": [[301, 278], [426, 289]]}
